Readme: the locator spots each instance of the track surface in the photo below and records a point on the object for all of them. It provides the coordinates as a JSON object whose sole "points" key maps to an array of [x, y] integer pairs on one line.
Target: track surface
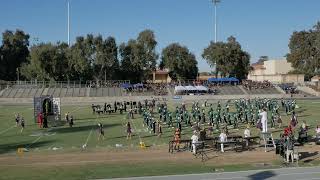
{"points": [[310, 173]]}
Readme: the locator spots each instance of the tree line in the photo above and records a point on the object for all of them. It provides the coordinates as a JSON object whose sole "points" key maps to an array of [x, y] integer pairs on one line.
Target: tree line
{"points": [[304, 52], [93, 57]]}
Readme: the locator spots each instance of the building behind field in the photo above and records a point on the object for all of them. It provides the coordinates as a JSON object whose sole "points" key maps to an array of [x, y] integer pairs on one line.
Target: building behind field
{"points": [[276, 71], [315, 78], [160, 76]]}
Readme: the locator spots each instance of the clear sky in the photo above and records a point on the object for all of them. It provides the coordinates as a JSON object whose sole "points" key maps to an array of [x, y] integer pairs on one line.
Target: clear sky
{"points": [[263, 27]]}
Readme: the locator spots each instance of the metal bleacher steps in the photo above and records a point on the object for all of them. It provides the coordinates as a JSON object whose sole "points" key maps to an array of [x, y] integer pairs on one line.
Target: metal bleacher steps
{"points": [[56, 92], [112, 92], [270, 90], [87, 92], [105, 92], [93, 92], [24, 92], [51, 91], [39, 92], [99, 92], [32, 92], [119, 91], [27, 92], [63, 92], [6, 92], [82, 92], [13, 93], [76, 92], [19, 93], [69, 92], [45, 91], [229, 90]]}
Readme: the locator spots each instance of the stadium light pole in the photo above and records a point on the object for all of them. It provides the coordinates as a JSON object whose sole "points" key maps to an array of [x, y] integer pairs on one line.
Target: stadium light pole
{"points": [[68, 4], [215, 2]]}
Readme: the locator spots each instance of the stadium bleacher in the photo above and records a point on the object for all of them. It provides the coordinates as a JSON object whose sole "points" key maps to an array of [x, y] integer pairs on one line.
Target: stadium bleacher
{"points": [[81, 90], [229, 90]]}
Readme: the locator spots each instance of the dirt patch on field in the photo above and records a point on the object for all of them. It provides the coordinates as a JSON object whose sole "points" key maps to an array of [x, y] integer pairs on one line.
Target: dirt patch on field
{"points": [[148, 155]]}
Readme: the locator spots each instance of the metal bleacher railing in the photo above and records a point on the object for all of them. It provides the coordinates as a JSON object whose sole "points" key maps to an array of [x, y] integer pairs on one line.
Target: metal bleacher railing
{"points": [[19, 89]]}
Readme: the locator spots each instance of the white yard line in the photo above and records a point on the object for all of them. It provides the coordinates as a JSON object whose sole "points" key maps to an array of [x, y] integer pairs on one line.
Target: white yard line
{"points": [[135, 129], [36, 140], [89, 136], [4, 131]]}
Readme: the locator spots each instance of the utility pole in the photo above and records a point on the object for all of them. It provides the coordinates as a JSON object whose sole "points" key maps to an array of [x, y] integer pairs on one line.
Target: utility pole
{"points": [[68, 3], [215, 2], [18, 75]]}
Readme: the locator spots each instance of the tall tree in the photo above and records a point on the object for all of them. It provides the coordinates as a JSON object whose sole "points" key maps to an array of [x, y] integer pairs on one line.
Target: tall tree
{"points": [[180, 61], [305, 51], [106, 64], [81, 58], [140, 56], [228, 57], [146, 52], [14, 52], [47, 62], [128, 67]]}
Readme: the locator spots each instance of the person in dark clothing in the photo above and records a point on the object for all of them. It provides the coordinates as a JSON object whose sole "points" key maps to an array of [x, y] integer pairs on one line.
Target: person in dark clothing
{"points": [[115, 106], [105, 108], [93, 109], [22, 123], [289, 145], [154, 127], [128, 130], [17, 119], [159, 129], [71, 121], [100, 131], [45, 121]]}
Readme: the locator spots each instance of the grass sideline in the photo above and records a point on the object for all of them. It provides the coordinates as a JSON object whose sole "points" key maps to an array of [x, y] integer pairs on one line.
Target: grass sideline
{"points": [[121, 170], [102, 171]]}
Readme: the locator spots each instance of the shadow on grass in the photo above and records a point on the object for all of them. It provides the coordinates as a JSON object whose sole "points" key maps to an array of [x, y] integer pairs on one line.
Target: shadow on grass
{"points": [[300, 111], [12, 147], [304, 155], [94, 118], [262, 175], [305, 115], [76, 128]]}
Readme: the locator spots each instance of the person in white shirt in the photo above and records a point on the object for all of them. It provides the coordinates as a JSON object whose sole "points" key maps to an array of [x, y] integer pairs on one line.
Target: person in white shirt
{"points": [[304, 125], [247, 134], [318, 132], [264, 120], [194, 139], [223, 138]]}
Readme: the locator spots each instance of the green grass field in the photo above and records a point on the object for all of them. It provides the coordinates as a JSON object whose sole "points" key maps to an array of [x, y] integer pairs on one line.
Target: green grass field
{"points": [[85, 128], [67, 139]]}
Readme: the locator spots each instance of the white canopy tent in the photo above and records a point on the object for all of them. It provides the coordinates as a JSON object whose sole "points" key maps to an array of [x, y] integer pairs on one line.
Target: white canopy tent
{"points": [[179, 89], [201, 88], [191, 88]]}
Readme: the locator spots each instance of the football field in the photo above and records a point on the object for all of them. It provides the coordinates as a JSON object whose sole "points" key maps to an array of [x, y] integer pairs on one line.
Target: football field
{"points": [[64, 145]]}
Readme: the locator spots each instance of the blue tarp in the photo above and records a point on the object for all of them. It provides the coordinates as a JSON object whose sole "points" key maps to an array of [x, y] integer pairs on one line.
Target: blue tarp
{"points": [[126, 85], [231, 79], [139, 85]]}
